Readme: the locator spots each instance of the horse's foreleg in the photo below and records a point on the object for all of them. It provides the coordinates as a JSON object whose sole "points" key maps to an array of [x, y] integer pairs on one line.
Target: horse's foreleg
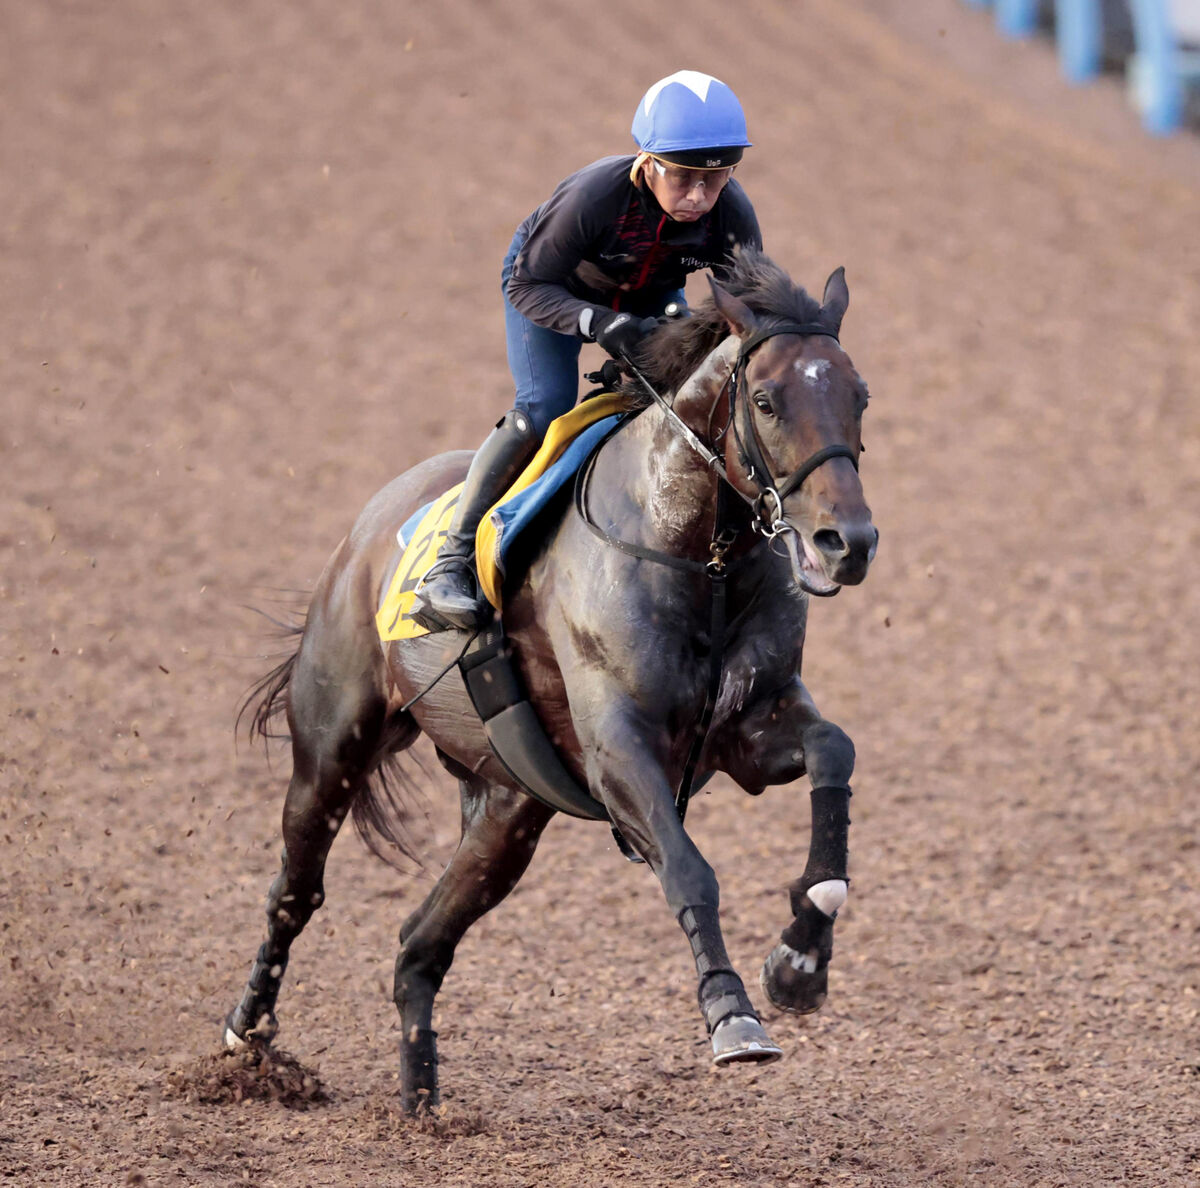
{"points": [[795, 975], [630, 779], [501, 829]]}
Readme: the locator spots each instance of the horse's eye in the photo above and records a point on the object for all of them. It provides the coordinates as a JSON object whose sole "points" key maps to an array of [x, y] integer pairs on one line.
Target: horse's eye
{"points": [[764, 405]]}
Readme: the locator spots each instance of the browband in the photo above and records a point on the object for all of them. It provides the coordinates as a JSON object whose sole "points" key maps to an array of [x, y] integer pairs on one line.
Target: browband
{"points": [[759, 336]]}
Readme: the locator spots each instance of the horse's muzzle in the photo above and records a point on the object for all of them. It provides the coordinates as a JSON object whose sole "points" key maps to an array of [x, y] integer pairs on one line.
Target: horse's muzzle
{"points": [[847, 550]]}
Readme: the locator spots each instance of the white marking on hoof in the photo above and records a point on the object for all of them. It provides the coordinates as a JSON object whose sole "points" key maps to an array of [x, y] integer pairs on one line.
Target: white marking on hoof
{"points": [[828, 896], [800, 962], [233, 1041]]}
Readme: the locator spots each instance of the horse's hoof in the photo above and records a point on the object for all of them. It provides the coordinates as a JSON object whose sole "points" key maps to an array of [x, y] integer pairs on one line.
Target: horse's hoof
{"points": [[793, 982], [740, 1039], [262, 1033]]}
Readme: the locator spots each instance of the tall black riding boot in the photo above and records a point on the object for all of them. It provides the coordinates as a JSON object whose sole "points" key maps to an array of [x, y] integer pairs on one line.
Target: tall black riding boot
{"points": [[448, 595]]}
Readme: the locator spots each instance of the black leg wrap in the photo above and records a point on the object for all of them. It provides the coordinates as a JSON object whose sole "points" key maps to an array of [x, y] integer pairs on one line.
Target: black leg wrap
{"points": [[828, 850], [720, 991], [420, 1061], [795, 976], [721, 995], [254, 1017]]}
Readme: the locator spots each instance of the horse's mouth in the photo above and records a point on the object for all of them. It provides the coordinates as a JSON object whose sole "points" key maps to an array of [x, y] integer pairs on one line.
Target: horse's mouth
{"points": [[807, 569]]}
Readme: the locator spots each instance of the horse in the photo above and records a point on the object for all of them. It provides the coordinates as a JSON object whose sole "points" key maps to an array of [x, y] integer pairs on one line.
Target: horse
{"points": [[658, 630]]}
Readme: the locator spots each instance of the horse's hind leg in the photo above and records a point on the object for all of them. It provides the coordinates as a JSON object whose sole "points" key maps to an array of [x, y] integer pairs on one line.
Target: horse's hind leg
{"points": [[500, 833], [338, 720], [795, 975]]}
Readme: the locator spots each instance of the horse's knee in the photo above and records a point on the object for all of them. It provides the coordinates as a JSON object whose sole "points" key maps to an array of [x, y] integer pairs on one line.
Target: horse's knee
{"points": [[689, 882], [828, 755]]}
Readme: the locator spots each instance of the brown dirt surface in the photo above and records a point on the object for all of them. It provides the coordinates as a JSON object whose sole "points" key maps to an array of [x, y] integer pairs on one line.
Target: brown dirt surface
{"points": [[254, 1072], [249, 258]]}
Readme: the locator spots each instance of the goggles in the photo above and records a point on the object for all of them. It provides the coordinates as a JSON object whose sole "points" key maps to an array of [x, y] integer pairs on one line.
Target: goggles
{"points": [[684, 180]]}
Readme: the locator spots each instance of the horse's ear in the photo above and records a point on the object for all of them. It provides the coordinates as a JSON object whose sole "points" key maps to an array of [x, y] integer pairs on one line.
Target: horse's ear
{"points": [[836, 299], [736, 312]]}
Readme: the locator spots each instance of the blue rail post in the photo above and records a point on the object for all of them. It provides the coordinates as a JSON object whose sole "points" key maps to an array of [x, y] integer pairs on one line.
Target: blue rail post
{"points": [[1154, 72], [1078, 27], [1016, 18]]}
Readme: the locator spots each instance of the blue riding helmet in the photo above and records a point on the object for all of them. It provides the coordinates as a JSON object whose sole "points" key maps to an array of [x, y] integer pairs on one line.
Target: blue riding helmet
{"points": [[691, 119]]}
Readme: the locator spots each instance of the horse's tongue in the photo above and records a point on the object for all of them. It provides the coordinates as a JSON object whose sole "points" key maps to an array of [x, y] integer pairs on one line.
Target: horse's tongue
{"points": [[806, 564], [810, 553]]}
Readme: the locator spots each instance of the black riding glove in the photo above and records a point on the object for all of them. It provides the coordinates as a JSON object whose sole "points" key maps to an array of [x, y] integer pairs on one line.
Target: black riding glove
{"points": [[620, 334]]}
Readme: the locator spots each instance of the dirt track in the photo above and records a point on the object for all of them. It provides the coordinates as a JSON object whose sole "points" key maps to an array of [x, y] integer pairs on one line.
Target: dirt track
{"points": [[248, 271]]}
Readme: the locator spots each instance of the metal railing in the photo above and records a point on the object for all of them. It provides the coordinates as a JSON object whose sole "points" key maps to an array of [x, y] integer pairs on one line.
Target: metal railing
{"points": [[1158, 73]]}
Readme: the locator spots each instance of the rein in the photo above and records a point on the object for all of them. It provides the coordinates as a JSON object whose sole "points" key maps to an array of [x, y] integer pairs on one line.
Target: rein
{"points": [[767, 524]]}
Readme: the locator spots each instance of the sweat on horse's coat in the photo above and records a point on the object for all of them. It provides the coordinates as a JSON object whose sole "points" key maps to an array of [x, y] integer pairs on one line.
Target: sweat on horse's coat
{"points": [[613, 647]]}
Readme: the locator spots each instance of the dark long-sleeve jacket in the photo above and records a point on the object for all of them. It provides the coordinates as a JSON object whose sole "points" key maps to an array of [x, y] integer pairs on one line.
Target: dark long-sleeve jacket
{"points": [[601, 242]]}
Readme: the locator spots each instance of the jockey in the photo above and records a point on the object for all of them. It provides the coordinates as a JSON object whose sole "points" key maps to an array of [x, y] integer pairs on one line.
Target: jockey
{"points": [[599, 261]]}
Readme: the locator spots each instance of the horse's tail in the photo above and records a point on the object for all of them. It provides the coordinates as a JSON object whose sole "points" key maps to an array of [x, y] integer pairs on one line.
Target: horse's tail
{"points": [[384, 806], [266, 699]]}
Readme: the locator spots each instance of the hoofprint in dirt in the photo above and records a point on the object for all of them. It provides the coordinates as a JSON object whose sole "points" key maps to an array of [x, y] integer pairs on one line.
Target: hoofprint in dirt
{"points": [[250, 266]]}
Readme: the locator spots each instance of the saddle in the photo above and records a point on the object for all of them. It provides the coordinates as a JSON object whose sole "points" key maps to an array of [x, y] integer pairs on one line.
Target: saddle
{"points": [[509, 720], [568, 443]]}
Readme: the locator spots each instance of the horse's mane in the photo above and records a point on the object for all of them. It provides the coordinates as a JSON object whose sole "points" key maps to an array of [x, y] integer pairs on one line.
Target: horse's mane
{"points": [[673, 353]]}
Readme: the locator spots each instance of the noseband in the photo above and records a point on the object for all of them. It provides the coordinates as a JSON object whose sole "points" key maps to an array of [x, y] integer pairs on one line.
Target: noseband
{"points": [[769, 521]]}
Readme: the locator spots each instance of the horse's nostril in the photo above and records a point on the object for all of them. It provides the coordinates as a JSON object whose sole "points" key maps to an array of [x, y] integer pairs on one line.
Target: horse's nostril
{"points": [[830, 542]]}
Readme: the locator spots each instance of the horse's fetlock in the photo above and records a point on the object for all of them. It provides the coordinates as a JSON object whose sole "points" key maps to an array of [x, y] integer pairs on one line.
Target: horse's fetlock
{"points": [[829, 895], [721, 996], [811, 931]]}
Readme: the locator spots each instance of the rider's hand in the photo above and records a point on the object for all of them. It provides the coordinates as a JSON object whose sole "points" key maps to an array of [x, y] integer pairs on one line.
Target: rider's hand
{"points": [[620, 333]]}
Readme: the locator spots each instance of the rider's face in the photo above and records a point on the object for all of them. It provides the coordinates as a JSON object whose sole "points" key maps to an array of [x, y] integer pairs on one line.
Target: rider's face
{"points": [[685, 194]]}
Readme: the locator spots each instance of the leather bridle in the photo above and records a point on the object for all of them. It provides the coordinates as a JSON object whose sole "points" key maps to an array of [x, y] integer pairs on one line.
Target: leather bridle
{"points": [[769, 521]]}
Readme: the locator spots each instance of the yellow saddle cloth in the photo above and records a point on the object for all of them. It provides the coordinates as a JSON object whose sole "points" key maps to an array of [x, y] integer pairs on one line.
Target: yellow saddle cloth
{"points": [[421, 543]]}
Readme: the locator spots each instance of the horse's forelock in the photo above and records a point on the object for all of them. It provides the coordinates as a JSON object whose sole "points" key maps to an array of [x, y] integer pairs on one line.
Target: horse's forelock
{"points": [[674, 353]]}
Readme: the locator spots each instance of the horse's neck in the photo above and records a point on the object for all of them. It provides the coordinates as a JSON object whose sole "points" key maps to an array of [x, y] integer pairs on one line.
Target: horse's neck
{"points": [[673, 487]]}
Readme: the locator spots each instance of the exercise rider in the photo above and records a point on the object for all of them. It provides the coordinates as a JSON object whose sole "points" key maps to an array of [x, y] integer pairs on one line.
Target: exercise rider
{"points": [[599, 261]]}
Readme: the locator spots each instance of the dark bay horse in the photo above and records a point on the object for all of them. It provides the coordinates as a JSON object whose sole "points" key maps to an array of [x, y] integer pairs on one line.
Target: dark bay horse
{"points": [[748, 481]]}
